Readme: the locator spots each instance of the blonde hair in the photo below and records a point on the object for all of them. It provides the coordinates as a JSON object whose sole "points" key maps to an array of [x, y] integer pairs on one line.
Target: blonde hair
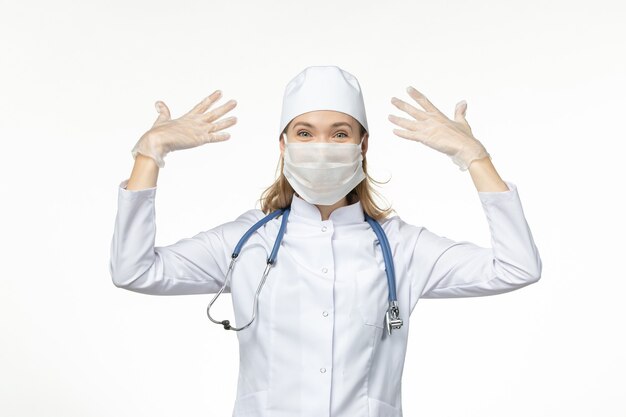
{"points": [[280, 193]]}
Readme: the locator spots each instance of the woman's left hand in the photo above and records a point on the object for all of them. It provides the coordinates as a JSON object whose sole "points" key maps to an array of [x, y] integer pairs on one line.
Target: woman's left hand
{"points": [[432, 128]]}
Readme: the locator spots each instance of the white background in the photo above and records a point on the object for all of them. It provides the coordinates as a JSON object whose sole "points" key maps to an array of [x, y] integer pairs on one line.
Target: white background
{"points": [[545, 86]]}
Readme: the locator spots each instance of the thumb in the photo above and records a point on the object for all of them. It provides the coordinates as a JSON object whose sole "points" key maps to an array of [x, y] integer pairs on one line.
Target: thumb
{"points": [[459, 112], [164, 112], [459, 115]]}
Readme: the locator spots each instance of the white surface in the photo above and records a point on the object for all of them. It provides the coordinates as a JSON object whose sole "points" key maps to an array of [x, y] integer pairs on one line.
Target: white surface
{"points": [[544, 82]]}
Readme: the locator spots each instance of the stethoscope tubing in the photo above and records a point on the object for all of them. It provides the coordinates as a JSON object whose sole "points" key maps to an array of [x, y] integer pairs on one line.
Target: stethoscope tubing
{"points": [[392, 319]]}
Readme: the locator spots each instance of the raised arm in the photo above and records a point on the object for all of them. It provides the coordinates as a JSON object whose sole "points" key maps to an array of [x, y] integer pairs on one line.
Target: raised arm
{"points": [[192, 265], [440, 267], [195, 265]]}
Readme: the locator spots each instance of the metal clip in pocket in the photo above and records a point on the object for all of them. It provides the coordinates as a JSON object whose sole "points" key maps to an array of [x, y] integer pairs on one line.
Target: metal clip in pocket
{"points": [[391, 317]]}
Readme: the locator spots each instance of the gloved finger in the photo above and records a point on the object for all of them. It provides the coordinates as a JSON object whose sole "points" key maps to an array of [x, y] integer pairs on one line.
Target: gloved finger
{"points": [[222, 124], [410, 134], [424, 102], [219, 111], [461, 106], [205, 103], [164, 112], [459, 113], [404, 106], [219, 136], [403, 122]]}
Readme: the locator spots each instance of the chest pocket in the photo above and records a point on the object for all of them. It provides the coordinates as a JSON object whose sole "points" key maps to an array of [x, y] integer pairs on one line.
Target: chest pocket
{"points": [[372, 295]]}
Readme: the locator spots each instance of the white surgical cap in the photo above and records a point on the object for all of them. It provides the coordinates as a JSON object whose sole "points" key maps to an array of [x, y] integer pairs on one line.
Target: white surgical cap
{"points": [[323, 88]]}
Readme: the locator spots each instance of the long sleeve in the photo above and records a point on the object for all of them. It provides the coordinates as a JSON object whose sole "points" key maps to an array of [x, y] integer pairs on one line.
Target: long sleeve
{"points": [[440, 267], [195, 265]]}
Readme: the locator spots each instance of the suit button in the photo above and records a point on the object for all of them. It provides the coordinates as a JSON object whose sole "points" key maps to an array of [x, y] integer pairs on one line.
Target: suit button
{"points": [[322, 370], [325, 313], [324, 228], [324, 270]]}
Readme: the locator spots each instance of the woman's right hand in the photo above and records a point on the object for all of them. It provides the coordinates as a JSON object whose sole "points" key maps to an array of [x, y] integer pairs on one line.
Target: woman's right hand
{"points": [[193, 129]]}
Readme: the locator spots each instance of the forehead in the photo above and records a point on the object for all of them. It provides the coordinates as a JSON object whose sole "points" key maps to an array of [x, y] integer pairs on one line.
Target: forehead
{"points": [[324, 118]]}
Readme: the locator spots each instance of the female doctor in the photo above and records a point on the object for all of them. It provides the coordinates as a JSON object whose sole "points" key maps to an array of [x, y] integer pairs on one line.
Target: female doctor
{"points": [[326, 335]]}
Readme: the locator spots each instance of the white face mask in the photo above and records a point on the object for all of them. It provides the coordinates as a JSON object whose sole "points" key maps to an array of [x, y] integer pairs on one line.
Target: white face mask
{"points": [[323, 173]]}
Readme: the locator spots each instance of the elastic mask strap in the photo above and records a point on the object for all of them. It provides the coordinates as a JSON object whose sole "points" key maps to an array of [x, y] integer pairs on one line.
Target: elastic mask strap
{"points": [[361, 144]]}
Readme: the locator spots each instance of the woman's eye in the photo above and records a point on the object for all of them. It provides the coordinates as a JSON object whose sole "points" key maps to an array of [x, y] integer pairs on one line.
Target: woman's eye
{"points": [[304, 133]]}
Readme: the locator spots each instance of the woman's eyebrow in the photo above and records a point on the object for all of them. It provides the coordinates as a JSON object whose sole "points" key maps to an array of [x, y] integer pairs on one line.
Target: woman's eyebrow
{"points": [[333, 125]]}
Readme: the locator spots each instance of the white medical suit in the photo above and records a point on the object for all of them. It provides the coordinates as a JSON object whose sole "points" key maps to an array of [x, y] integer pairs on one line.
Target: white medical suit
{"points": [[318, 346]]}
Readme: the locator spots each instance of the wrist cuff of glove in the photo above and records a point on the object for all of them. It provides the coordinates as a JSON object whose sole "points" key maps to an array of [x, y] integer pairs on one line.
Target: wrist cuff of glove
{"points": [[464, 164], [150, 148], [156, 157]]}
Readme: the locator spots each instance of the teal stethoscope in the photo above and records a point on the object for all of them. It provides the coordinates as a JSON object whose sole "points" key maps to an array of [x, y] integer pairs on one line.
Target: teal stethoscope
{"points": [[392, 319]]}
